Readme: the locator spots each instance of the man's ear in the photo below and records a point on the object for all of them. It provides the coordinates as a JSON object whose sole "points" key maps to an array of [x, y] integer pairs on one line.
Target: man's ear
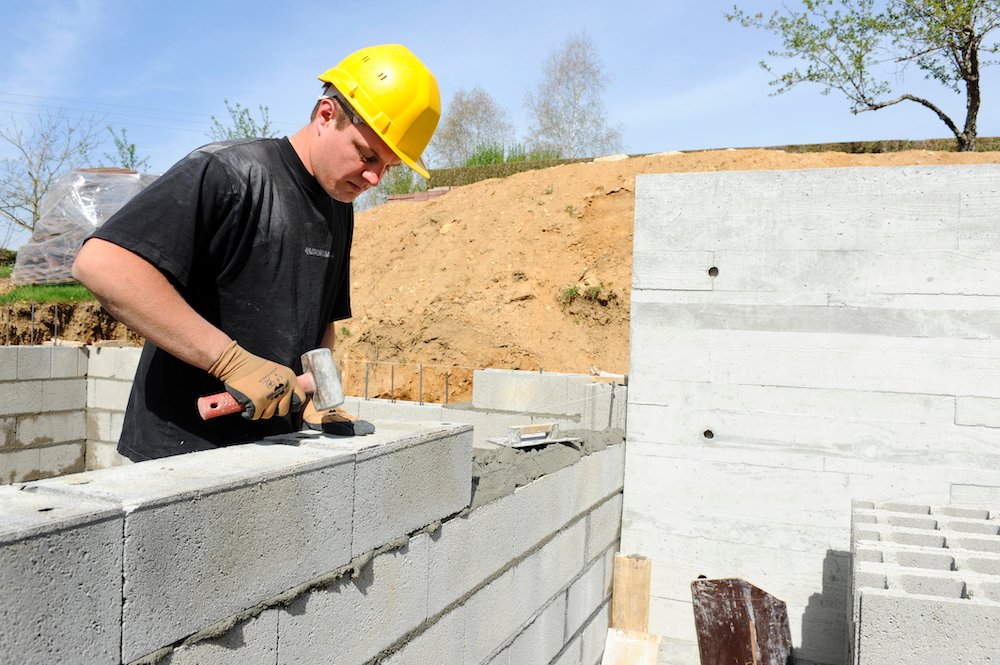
{"points": [[327, 111]]}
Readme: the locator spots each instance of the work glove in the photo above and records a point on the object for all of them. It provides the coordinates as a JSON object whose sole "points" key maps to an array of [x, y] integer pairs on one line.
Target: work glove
{"points": [[334, 421], [263, 387]]}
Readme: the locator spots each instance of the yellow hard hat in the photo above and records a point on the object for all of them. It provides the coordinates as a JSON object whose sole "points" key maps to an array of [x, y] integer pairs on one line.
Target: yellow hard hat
{"points": [[395, 94]]}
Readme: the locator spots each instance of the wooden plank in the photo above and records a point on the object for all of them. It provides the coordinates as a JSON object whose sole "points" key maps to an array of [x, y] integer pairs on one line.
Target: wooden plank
{"points": [[628, 647], [630, 593]]}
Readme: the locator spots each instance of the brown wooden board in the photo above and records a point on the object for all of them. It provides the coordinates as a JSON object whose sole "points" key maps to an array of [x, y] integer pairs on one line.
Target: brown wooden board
{"points": [[739, 624]]}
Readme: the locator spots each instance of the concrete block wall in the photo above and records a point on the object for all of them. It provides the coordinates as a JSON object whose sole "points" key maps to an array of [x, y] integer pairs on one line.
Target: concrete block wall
{"points": [[305, 549], [43, 411], [110, 371], [45, 438], [925, 584], [800, 339]]}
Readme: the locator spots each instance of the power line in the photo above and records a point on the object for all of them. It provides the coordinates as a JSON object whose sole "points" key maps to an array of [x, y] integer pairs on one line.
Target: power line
{"points": [[198, 122]]}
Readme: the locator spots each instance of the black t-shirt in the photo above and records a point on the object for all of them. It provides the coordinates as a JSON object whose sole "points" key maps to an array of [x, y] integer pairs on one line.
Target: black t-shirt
{"points": [[253, 243]]}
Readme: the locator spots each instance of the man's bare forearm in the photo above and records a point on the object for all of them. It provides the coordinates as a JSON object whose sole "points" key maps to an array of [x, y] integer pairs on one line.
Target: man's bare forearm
{"points": [[136, 293]]}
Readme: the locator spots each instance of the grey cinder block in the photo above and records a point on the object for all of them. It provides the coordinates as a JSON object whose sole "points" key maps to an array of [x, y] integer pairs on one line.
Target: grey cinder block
{"points": [[355, 618], [207, 534], [60, 568], [407, 475]]}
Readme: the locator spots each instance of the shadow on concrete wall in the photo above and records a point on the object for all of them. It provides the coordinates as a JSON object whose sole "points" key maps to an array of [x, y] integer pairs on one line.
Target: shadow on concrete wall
{"points": [[824, 621]]}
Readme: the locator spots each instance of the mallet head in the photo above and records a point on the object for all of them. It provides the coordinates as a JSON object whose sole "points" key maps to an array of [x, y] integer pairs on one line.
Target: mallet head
{"points": [[329, 391]]}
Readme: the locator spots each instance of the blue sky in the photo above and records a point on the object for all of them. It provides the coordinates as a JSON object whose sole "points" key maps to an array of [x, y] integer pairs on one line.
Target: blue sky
{"points": [[682, 77]]}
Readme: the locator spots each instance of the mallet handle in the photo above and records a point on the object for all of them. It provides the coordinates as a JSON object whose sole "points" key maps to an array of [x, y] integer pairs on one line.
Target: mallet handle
{"points": [[222, 404]]}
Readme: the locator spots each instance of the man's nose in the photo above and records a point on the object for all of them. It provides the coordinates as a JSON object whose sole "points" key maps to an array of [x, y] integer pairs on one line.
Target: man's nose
{"points": [[374, 174]]}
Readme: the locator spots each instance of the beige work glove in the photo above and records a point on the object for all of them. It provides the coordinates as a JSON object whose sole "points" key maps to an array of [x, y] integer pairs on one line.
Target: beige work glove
{"points": [[263, 387], [334, 421]]}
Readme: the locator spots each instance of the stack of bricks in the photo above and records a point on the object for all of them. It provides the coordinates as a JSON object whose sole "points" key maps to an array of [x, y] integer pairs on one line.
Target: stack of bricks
{"points": [[925, 584], [43, 413]]}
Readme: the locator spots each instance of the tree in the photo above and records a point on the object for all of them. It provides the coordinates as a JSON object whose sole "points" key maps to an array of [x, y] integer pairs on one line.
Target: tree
{"points": [[857, 46], [242, 125], [50, 146], [471, 120], [127, 155], [566, 109]]}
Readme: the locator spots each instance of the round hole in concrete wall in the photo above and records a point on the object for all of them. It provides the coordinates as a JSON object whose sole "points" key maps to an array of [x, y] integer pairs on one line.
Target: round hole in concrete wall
{"points": [[708, 434], [713, 271]]}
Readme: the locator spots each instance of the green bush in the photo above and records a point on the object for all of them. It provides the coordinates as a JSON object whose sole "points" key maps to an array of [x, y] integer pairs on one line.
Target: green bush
{"points": [[7, 257]]}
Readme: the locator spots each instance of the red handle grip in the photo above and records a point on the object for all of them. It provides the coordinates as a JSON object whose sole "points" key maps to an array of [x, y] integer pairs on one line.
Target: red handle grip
{"points": [[222, 404]]}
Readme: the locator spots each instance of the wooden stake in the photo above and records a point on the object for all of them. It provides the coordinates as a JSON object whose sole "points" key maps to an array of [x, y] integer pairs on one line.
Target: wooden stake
{"points": [[630, 593]]}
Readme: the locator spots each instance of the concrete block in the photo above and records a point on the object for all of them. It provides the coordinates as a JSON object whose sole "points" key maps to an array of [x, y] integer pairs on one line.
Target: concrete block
{"points": [[8, 432], [64, 395], [407, 475], [8, 363], [543, 638], [109, 394], [19, 465], [374, 410], [928, 560], [60, 568], [595, 635], [353, 620], [207, 534], [972, 526], [51, 427], [470, 549], [586, 594], [99, 425], [493, 615], [443, 642], [250, 642], [604, 527], [529, 392], [902, 629], [23, 397], [572, 653], [985, 544], [34, 362], [62, 459], [541, 576], [113, 362], [967, 513], [66, 362], [104, 455]]}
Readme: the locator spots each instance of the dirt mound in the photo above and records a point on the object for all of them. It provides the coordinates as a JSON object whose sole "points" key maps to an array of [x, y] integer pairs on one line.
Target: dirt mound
{"points": [[529, 272]]}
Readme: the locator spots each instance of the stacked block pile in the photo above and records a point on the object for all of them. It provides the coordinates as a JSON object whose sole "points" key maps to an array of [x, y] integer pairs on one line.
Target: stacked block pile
{"points": [[925, 584]]}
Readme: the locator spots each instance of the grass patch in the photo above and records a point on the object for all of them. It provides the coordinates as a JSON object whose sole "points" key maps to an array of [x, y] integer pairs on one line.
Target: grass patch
{"points": [[47, 293], [569, 294], [5, 271], [593, 293]]}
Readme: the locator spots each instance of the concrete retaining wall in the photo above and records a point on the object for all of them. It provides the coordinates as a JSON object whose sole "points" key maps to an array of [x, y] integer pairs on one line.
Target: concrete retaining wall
{"points": [[925, 585], [306, 549], [800, 339]]}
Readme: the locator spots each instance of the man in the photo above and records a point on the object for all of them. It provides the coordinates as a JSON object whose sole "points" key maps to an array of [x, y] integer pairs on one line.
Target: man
{"points": [[236, 260]]}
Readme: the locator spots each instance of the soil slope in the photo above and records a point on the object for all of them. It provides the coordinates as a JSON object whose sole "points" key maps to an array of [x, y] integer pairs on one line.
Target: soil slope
{"points": [[485, 275]]}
